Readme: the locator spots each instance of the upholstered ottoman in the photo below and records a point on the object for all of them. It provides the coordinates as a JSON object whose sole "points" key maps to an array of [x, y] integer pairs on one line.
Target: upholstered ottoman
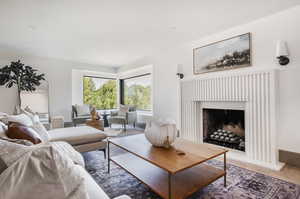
{"points": [[82, 138]]}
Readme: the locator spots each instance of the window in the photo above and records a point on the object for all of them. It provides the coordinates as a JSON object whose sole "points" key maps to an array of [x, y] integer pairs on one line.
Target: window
{"points": [[136, 91], [100, 92]]}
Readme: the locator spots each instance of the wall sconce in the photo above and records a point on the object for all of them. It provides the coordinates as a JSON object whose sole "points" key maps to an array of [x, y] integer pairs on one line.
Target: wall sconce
{"points": [[180, 71], [282, 53]]}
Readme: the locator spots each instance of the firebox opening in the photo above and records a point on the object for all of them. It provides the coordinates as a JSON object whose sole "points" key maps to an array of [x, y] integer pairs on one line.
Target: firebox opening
{"points": [[224, 127]]}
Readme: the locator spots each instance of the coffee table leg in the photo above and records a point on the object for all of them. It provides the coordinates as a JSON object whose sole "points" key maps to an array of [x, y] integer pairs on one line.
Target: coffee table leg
{"points": [[169, 183], [108, 159], [225, 184]]}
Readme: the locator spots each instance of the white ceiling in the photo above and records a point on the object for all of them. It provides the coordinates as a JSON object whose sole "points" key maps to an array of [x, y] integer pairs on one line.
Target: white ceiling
{"points": [[117, 32]]}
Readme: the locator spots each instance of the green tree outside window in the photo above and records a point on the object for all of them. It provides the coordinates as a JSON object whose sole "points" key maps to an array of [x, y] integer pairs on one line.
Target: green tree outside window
{"points": [[99, 92], [137, 92]]}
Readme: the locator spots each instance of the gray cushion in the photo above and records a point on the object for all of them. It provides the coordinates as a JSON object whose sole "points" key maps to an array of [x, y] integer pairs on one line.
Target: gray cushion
{"points": [[117, 119], [123, 110], [83, 117], [114, 113], [82, 109]]}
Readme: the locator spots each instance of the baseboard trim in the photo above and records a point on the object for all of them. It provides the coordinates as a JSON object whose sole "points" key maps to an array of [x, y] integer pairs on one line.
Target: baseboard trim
{"points": [[290, 158], [240, 156]]}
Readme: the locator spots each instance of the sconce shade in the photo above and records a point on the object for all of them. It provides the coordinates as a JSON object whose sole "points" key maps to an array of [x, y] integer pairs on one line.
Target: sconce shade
{"points": [[180, 71], [281, 49]]}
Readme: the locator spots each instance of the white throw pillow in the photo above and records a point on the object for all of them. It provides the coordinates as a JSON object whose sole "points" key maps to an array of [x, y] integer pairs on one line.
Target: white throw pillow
{"points": [[82, 109], [41, 130], [28, 109], [34, 117], [21, 119], [3, 129], [3, 115]]}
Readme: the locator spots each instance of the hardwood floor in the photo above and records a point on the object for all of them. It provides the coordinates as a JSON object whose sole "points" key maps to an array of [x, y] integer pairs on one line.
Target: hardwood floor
{"points": [[288, 173]]}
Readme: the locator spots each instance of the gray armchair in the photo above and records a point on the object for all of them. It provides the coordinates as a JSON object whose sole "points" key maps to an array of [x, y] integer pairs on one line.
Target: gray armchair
{"points": [[78, 119], [130, 118]]}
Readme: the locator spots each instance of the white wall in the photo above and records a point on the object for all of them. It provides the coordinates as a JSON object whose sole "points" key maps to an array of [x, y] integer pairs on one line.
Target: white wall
{"points": [[58, 74], [265, 32]]}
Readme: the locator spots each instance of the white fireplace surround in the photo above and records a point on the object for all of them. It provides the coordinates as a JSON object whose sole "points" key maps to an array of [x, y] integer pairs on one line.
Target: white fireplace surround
{"points": [[253, 92]]}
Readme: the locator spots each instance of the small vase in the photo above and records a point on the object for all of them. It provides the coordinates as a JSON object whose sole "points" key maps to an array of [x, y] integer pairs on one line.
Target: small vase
{"points": [[161, 134]]}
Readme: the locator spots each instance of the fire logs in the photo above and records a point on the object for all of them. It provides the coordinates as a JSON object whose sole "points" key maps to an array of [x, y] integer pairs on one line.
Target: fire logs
{"points": [[228, 138]]}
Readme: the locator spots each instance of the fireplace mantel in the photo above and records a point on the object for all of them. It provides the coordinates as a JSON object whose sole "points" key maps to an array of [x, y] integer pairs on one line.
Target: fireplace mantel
{"points": [[256, 90]]}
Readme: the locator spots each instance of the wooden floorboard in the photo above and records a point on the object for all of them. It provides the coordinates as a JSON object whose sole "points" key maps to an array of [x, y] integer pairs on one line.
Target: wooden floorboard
{"points": [[288, 173]]}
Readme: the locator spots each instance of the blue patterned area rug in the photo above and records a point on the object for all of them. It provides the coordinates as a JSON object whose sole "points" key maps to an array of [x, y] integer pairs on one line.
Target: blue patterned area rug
{"points": [[241, 183]]}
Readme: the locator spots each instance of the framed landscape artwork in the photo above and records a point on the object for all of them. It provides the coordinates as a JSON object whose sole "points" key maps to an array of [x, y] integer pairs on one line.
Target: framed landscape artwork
{"points": [[227, 54]]}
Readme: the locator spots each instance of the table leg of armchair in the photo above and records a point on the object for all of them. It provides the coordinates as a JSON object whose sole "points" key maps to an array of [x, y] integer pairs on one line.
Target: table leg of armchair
{"points": [[104, 151]]}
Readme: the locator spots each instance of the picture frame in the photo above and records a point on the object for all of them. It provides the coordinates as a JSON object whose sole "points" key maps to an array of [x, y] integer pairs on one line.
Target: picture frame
{"points": [[227, 54]]}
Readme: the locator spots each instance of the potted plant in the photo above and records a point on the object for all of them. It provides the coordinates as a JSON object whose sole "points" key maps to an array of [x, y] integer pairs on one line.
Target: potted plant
{"points": [[24, 77]]}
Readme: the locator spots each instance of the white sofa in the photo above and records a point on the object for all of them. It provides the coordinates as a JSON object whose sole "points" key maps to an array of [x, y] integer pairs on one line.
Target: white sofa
{"points": [[93, 189], [82, 138]]}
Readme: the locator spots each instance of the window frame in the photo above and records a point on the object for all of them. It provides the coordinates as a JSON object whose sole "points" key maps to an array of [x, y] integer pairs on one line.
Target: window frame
{"points": [[122, 91], [101, 77]]}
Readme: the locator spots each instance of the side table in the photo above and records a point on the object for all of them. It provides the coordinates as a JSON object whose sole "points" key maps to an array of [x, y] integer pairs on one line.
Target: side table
{"points": [[57, 122], [104, 116]]}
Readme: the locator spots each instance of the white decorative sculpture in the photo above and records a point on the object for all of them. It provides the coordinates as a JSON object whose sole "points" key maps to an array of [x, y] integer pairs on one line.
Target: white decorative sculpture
{"points": [[161, 133]]}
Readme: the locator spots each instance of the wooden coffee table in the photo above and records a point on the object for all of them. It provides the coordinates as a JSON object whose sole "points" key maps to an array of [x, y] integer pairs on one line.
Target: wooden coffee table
{"points": [[165, 171]]}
